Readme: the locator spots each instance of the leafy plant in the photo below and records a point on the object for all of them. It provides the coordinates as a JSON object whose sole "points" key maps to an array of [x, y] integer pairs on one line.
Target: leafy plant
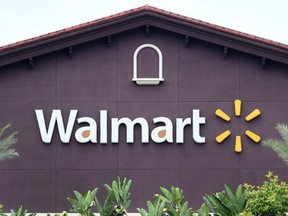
{"points": [[204, 210], [225, 203], [119, 195], [5, 151], [174, 198], [19, 212], [1, 206], [83, 203], [184, 210], [246, 213], [174, 202], [154, 209], [107, 208], [168, 204], [279, 146], [64, 213], [270, 199]]}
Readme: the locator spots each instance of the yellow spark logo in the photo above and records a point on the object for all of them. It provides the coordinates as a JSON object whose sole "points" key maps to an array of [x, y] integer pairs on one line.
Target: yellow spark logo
{"points": [[237, 108]]}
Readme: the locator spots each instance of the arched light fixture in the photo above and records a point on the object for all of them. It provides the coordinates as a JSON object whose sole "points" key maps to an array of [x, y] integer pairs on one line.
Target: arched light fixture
{"points": [[148, 81]]}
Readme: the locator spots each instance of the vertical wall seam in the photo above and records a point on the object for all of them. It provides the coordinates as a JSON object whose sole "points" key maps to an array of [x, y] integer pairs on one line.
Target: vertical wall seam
{"points": [[178, 149], [239, 95], [55, 146], [117, 103]]}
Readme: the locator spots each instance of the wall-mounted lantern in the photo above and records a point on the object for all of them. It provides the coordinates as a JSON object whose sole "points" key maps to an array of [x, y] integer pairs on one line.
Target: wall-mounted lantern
{"points": [[146, 80]]}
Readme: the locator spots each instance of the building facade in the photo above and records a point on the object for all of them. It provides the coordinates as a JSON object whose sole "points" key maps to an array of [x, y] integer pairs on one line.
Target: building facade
{"points": [[137, 94]]}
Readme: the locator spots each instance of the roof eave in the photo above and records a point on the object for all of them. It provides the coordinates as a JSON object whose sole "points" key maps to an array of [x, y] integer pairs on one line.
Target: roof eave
{"points": [[52, 44], [244, 44], [105, 28]]}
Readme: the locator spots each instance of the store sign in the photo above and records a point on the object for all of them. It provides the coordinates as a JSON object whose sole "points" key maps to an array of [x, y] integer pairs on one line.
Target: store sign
{"points": [[88, 133], [158, 134], [237, 110]]}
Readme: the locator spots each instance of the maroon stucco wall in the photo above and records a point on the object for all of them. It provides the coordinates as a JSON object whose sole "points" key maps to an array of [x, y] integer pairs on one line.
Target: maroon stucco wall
{"points": [[99, 77]]}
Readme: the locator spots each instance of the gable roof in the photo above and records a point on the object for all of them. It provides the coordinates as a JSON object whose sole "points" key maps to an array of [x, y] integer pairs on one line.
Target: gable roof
{"points": [[143, 16]]}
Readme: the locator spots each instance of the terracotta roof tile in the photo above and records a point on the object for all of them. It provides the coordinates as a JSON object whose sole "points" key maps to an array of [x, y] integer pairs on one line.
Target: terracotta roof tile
{"points": [[135, 11]]}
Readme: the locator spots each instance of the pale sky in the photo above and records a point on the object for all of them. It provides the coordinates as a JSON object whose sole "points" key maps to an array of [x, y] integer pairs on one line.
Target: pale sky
{"points": [[23, 19]]}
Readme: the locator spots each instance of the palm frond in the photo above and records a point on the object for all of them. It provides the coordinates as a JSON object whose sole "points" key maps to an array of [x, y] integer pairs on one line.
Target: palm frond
{"points": [[283, 130], [8, 141], [2, 130], [5, 151], [9, 154], [279, 146]]}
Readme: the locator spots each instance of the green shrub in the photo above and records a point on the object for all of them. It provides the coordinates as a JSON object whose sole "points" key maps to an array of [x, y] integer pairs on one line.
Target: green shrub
{"points": [[270, 199], [64, 213], [19, 212], [119, 195], [171, 203], [174, 202], [117, 200], [174, 198], [107, 208], [204, 210], [246, 213], [83, 203], [225, 203], [154, 209]]}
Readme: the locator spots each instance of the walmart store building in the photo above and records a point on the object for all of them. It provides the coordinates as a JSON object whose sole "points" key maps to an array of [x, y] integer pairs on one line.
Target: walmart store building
{"points": [[135, 95]]}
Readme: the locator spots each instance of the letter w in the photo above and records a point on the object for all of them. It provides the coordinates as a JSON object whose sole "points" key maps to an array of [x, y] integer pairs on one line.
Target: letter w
{"points": [[56, 116]]}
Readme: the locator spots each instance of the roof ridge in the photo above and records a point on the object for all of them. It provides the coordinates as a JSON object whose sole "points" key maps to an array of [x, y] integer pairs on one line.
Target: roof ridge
{"points": [[140, 9], [74, 27], [220, 28]]}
